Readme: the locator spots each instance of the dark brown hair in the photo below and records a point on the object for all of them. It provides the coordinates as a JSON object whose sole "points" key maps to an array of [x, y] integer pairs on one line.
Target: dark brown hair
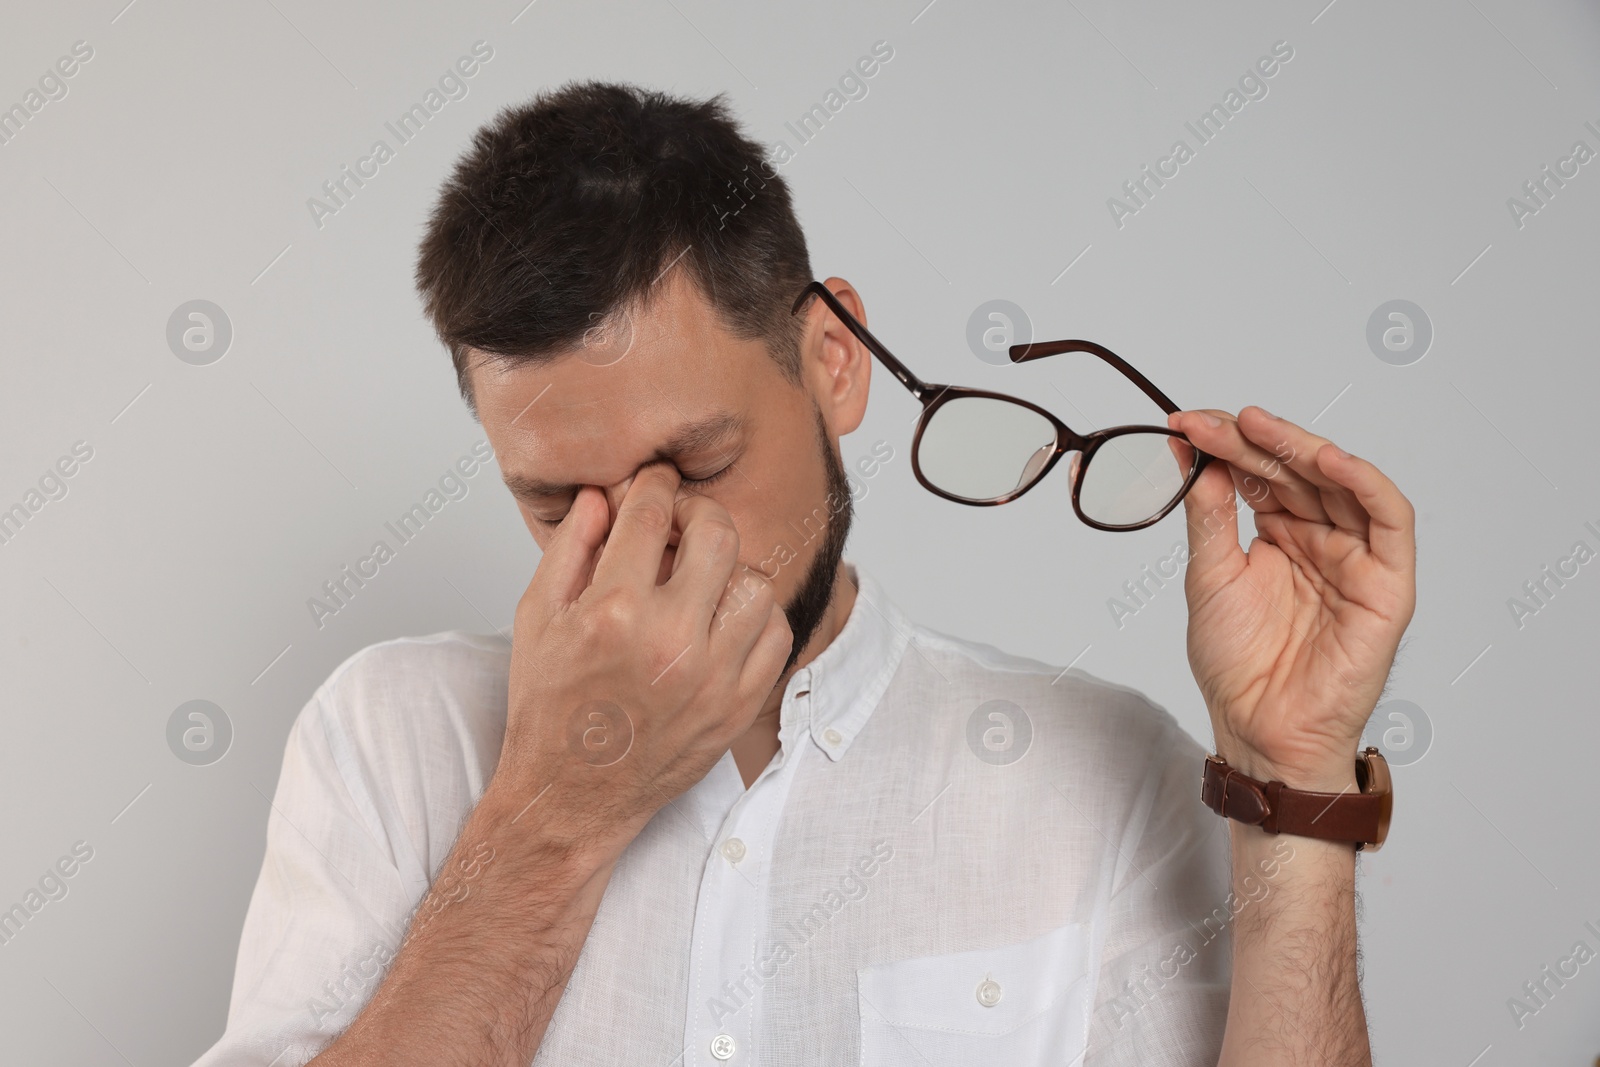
{"points": [[568, 208]]}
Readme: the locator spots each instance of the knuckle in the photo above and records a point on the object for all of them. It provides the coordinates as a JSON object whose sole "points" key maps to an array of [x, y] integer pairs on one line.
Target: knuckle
{"points": [[650, 516], [753, 587], [670, 659], [721, 537], [613, 614], [746, 599]]}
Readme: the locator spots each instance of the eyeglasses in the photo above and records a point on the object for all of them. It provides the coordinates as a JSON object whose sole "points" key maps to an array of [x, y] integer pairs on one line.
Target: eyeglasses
{"points": [[981, 448]]}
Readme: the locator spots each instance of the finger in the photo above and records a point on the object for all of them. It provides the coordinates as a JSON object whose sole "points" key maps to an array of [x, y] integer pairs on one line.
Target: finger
{"points": [[1226, 440], [1392, 530], [1213, 519], [567, 565], [708, 551], [1256, 492], [632, 554], [1298, 447], [1263, 477], [741, 615], [764, 664]]}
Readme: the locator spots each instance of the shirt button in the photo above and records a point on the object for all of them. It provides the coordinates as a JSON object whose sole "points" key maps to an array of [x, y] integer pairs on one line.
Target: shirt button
{"points": [[831, 736], [988, 992], [722, 1047], [733, 850]]}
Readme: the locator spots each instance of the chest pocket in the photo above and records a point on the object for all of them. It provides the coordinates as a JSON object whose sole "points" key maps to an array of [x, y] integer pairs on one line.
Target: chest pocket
{"points": [[1017, 1005]]}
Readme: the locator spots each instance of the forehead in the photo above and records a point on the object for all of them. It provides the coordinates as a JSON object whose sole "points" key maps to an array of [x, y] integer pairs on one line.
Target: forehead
{"points": [[596, 412]]}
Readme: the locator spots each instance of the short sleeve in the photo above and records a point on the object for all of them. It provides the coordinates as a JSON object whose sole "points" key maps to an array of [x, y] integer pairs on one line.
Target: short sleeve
{"points": [[1166, 954], [328, 911]]}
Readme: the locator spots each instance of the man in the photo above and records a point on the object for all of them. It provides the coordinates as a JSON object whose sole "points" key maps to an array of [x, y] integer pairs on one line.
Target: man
{"points": [[720, 801]]}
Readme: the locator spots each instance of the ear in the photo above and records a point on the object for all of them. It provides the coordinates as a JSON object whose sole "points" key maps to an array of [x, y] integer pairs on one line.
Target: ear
{"points": [[836, 366]]}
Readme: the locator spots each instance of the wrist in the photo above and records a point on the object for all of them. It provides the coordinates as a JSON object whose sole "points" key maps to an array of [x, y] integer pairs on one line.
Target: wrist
{"points": [[548, 820], [1323, 773], [1356, 810]]}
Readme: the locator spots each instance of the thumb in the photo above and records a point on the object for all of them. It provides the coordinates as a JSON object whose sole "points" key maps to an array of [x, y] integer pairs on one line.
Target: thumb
{"points": [[1212, 511]]}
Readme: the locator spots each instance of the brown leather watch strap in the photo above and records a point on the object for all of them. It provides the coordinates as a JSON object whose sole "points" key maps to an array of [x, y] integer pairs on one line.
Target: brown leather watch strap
{"points": [[1361, 818]]}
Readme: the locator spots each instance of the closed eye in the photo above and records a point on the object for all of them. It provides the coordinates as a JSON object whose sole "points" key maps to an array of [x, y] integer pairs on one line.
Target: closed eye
{"points": [[557, 521], [709, 479], [693, 483]]}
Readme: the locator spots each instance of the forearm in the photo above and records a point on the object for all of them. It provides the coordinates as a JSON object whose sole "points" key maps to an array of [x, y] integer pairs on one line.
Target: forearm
{"points": [[1296, 992], [486, 960]]}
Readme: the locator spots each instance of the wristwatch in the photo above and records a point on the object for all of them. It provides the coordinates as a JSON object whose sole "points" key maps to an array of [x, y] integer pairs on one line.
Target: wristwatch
{"points": [[1362, 818]]}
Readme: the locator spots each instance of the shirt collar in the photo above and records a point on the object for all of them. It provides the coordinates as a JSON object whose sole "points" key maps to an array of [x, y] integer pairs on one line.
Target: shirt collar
{"points": [[844, 683]]}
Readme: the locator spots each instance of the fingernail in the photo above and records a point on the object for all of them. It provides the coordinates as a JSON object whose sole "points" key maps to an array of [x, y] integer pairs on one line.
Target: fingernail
{"points": [[1210, 419], [1267, 413]]}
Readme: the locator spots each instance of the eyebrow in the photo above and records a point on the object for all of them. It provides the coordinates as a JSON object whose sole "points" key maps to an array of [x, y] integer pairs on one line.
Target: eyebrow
{"points": [[708, 434]]}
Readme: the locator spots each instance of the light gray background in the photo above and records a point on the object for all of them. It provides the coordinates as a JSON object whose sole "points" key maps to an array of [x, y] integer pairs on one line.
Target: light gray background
{"points": [[977, 167]]}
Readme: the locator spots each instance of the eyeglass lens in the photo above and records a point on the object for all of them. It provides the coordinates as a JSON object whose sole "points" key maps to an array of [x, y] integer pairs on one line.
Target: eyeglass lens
{"points": [[983, 450]]}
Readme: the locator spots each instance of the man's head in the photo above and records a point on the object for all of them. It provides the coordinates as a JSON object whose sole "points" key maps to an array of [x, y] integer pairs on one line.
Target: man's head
{"points": [[613, 272]]}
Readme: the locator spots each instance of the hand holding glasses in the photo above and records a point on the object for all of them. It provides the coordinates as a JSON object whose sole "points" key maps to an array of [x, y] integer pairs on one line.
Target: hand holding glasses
{"points": [[982, 448]]}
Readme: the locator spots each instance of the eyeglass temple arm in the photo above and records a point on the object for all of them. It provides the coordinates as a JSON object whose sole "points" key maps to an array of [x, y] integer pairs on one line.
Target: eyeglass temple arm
{"points": [[917, 386], [1040, 349]]}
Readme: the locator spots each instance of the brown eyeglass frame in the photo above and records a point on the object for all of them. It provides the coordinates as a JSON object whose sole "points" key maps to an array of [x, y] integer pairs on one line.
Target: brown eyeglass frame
{"points": [[933, 396]]}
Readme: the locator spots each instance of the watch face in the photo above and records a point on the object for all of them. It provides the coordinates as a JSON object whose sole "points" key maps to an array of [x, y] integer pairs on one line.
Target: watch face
{"points": [[1372, 774], [1383, 822]]}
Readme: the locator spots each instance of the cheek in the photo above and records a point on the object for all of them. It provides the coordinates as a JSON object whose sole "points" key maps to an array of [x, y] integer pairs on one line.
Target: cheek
{"points": [[772, 520]]}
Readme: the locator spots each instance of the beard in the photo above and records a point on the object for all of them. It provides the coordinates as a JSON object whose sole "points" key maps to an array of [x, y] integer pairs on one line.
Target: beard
{"points": [[806, 609]]}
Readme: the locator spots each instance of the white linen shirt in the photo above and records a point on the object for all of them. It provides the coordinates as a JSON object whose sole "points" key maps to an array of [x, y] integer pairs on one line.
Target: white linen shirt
{"points": [[956, 857]]}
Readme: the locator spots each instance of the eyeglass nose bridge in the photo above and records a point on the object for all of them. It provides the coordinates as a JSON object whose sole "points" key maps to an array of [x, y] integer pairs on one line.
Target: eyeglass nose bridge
{"points": [[1046, 457], [1070, 440]]}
